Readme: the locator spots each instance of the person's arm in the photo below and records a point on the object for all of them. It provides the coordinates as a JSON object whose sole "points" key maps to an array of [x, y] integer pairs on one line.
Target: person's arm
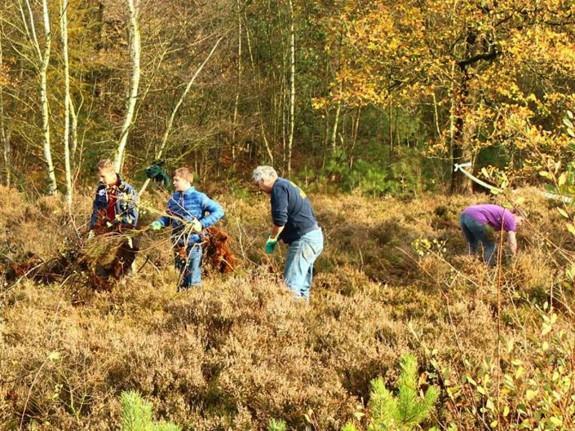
{"points": [[512, 242], [130, 215], [214, 210], [276, 231], [166, 220], [279, 202], [94, 217]]}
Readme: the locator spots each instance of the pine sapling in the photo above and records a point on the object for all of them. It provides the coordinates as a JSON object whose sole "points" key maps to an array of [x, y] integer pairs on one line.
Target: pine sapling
{"points": [[137, 415]]}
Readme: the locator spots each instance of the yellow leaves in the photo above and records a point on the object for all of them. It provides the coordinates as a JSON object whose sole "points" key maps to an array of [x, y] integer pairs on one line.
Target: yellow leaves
{"points": [[530, 394]]}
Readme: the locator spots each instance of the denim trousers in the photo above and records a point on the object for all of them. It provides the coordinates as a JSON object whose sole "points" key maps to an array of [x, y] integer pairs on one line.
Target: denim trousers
{"points": [[477, 233], [188, 262], [301, 255]]}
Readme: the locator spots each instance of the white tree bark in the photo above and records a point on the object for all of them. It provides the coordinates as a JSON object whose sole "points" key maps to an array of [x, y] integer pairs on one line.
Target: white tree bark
{"points": [[52, 184], [335, 127], [237, 101], [74, 125], [179, 103], [3, 133], [292, 88], [42, 64], [135, 54], [67, 101]]}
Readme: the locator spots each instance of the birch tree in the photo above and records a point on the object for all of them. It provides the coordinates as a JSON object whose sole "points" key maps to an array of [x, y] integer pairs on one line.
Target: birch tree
{"points": [[42, 63], [239, 83], [292, 86], [52, 185], [67, 101], [135, 54], [3, 134]]}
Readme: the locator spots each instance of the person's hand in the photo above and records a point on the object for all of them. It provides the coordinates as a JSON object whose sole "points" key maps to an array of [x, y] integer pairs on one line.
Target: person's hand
{"points": [[196, 226], [156, 226], [91, 234], [271, 244]]}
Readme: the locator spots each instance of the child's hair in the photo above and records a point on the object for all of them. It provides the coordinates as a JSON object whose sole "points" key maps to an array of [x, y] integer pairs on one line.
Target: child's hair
{"points": [[184, 173], [105, 165]]}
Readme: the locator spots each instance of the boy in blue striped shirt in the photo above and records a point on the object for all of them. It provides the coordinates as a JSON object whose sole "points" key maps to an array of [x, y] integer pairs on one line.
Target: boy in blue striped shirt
{"points": [[189, 213]]}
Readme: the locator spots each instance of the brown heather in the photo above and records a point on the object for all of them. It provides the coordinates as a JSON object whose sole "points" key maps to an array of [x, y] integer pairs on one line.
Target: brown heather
{"points": [[240, 351]]}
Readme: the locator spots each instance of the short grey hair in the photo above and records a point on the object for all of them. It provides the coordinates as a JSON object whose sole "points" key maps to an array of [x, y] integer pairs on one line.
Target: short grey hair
{"points": [[262, 173]]}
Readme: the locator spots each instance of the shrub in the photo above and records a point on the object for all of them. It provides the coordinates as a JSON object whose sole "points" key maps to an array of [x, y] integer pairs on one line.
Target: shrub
{"points": [[404, 412], [137, 415]]}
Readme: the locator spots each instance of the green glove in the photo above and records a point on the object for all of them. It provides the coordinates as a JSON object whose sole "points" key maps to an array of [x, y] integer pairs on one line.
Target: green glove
{"points": [[271, 245], [156, 225]]}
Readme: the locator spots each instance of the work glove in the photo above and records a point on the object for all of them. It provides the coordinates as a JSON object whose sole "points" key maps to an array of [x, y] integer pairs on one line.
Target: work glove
{"points": [[196, 226], [271, 245], [91, 234], [156, 225]]}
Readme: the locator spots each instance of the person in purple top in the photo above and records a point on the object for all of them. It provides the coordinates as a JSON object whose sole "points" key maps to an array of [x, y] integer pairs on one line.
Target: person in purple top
{"points": [[482, 223]]}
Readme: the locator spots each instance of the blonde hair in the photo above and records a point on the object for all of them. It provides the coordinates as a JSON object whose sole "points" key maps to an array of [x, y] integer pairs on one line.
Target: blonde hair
{"points": [[184, 173], [105, 165]]}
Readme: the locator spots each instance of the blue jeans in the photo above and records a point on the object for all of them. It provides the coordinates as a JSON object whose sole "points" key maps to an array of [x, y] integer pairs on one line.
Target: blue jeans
{"points": [[301, 255], [188, 262], [476, 233]]}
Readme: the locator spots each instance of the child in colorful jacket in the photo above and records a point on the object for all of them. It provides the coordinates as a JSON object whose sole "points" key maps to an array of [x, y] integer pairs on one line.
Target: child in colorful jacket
{"points": [[189, 213], [114, 211], [116, 202]]}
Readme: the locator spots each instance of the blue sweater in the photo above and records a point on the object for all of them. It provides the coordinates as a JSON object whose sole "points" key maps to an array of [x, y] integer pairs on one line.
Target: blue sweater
{"points": [[291, 209], [187, 206]]}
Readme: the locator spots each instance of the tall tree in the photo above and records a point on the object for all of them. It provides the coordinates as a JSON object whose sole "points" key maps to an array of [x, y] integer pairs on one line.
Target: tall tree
{"points": [[42, 63], [67, 101], [135, 54], [292, 85], [3, 133]]}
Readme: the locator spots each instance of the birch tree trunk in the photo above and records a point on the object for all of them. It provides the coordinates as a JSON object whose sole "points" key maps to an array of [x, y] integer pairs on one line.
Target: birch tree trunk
{"points": [[162, 148], [237, 101], [3, 133], [67, 103], [334, 130], [74, 130], [52, 184], [292, 88], [135, 53]]}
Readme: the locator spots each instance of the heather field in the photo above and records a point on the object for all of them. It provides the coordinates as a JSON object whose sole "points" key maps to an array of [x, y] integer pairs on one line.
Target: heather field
{"points": [[393, 279]]}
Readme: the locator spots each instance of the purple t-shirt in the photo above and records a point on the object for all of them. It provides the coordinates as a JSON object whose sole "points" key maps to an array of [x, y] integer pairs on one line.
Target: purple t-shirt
{"points": [[493, 215]]}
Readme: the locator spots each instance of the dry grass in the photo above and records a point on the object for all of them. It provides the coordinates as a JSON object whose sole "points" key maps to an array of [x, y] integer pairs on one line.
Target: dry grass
{"points": [[240, 350]]}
